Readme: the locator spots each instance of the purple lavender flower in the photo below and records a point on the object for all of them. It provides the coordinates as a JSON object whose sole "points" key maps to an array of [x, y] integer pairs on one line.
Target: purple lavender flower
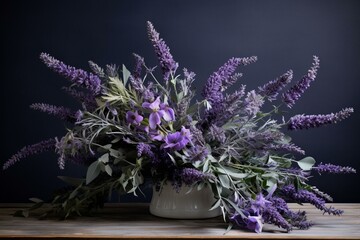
{"points": [[61, 112], [301, 121], [231, 80], [134, 118], [167, 63], [148, 93], [189, 76], [253, 102], [287, 147], [144, 149], [190, 176], [112, 70], [331, 168], [96, 69], [139, 63], [88, 100], [305, 196], [272, 216], [197, 153], [271, 89], [77, 76], [66, 147], [79, 115], [258, 204], [294, 93], [216, 134], [296, 219], [213, 87], [26, 151]]}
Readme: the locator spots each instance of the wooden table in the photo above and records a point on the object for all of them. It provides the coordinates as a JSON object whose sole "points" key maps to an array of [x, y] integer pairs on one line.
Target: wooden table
{"points": [[133, 221]]}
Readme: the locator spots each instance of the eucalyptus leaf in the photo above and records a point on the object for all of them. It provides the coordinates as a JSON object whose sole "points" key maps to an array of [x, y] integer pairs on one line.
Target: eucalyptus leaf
{"points": [[126, 74], [200, 186], [72, 181], [93, 171], [108, 170], [172, 159], [306, 163], [73, 194], [104, 158], [215, 205], [225, 181]]}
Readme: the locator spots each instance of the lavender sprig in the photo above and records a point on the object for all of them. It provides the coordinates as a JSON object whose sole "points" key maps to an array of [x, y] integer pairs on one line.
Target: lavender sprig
{"points": [[305, 196], [302, 121], [294, 93], [86, 99], [111, 70], [77, 76], [271, 89], [96, 69], [331, 168], [139, 63], [26, 151], [272, 216], [190, 176], [167, 63], [212, 89], [62, 112], [287, 147]]}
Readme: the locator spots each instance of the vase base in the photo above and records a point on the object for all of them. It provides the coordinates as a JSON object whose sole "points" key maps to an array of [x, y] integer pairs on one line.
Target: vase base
{"points": [[183, 204]]}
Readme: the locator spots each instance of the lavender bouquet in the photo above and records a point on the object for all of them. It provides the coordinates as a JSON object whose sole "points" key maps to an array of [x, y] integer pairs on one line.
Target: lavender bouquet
{"points": [[132, 125]]}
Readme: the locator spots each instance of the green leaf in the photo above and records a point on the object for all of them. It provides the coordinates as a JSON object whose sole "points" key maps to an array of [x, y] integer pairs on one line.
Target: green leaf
{"points": [[117, 139], [126, 74], [225, 181], [172, 159], [270, 183], [104, 158], [215, 205], [21, 213], [71, 181], [306, 163], [92, 172], [206, 166], [36, 200], [108, 169], [73, 194], [232, 172], [200, 186]]}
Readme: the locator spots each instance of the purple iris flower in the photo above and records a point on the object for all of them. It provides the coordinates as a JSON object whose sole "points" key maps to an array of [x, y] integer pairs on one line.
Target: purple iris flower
{"points": [[134, 118], [254, 223], [159, 110], [177, 140], [155, 116], [168, 113]]}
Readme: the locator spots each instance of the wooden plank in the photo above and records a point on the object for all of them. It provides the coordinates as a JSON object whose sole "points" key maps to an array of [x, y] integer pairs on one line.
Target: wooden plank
{"points": [[133, 221]]}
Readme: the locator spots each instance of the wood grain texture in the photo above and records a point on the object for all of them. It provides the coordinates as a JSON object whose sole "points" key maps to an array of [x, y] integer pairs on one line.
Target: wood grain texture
{"points": [[133, 221]]}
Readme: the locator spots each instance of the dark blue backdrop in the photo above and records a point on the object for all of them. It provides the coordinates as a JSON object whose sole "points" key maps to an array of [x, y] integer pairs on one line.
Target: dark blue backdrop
{"points": [[202, 36]]}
